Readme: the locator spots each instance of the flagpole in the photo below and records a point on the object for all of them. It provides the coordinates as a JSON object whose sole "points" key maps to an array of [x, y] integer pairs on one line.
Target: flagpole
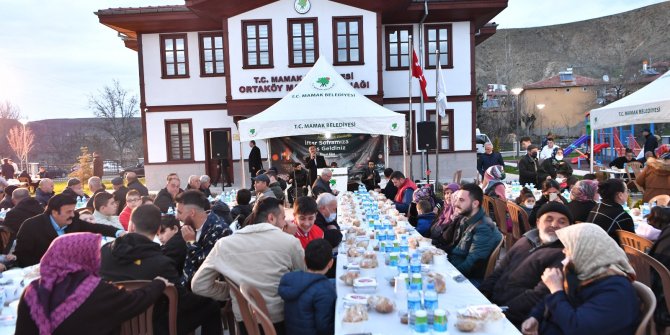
{"points": [[408, 172], [437, 119]]}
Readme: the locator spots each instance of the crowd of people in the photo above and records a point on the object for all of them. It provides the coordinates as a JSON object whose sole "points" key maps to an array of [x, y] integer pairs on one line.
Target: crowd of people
{"points": [[566, 275]]}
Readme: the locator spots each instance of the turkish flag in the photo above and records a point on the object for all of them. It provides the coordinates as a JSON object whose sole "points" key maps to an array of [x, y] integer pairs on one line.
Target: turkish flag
{"points": [[417, 72]]}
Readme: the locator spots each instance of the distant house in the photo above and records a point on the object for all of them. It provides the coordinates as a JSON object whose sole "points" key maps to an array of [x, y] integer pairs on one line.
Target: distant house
{"points": [[560, 102]]}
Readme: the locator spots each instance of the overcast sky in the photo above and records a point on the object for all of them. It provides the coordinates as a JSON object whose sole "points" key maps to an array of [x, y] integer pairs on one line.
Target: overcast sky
{"points": [[55, 53]]}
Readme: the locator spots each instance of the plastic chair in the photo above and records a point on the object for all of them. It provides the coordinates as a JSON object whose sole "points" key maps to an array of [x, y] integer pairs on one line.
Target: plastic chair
{"points": [[258, 308], [661, 200], [648, 305], [500, 215], [143, 323], [493, 258], [520, 224], [6, 239], [487, 204], [633, 240], [243, 304]]}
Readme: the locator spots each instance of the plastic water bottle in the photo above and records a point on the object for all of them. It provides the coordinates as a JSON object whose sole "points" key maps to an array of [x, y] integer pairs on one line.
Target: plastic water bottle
{"points": [[421, 322], [3, 213], [415, 263], [170, 211], [404, 244], [403, 264], [440, 322], [430, 299], [646, 209], [413, 301], [566, 195]]}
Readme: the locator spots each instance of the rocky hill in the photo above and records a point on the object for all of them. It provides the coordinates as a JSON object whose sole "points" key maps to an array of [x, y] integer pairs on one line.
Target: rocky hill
{"points": [[615, 45]]}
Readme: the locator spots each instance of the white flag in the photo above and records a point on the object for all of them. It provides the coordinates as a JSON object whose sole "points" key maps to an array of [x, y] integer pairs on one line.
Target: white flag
{"points": [[441, 92]]}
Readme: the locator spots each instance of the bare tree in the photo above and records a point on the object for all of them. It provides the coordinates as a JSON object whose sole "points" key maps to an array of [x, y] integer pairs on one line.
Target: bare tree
{"points": [[567, 121], [117, 107], [9, 111], [21, 139]]}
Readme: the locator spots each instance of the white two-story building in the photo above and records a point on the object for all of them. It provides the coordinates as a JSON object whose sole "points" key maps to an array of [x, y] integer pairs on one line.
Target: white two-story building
{"points": [[207, 64]]}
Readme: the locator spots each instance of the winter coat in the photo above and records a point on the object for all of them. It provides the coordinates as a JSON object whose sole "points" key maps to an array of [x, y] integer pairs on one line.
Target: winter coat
{"points": [[611, 218], [528, 170], [332, 235], [212, 230], [243, 211], [175, 248], [134, 257], [516, 281], [89, 203], [424, 222], [43, 197], [277, 190], [486, 161], [164, 200], [321, 186], [120, 197], [255, 162], [7, 171], [370, 183], [655, 178], [23, 211], [474, 240], [313, 164], [607, 306], [390, 190], [136, 185], [552, 167], [309, 303], [650, 143], [580, 209]]}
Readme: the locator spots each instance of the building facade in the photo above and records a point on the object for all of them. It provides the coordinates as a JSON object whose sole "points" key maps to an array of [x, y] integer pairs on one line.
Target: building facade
{"points": [[205, 65]]}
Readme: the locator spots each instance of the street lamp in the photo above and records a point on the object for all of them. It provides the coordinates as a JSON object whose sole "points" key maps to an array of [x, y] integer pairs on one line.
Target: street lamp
{"points": [[516, 91], [24, 121]]}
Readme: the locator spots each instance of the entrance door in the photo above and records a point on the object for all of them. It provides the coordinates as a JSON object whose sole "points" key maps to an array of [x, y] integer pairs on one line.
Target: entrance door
{"points": [[219, 157]]}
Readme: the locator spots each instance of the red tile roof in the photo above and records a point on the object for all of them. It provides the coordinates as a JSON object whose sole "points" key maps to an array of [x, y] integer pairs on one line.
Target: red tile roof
{"points": [[142, 10], [555, 81]]}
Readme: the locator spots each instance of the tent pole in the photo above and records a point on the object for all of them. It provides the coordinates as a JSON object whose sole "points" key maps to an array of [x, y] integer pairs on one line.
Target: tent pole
{"points": [[411, 112], [591, 151], [386, 150], [267, 144], [244, 177], [437, 120]]}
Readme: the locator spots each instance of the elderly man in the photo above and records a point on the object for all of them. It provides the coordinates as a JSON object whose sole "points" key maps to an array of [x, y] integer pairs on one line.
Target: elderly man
{"points": [[44, 191], [24, 208], [262, 187], [105, 210], [94, 185], [314, 161], [193, 182], [258, 254], [322, 184], [404, 196], [488, 159], [36, 233], [326, 219], [205, 183], [120, 192], [474, 235], [528, 166], [201, 230], [165, 198], [516, 281], [74, 188], [135, 184]]}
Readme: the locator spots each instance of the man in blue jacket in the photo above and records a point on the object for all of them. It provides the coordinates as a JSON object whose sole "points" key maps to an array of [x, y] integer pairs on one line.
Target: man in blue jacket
{"points": [[309, 296], [488, 159], [474, 235]]}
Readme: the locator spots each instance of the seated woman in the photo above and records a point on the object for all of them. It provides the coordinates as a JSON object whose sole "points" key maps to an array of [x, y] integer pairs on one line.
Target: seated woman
{"points": [[421, 193], [550, 192], [70, 298], [446, 216], [609, 213], [594, 292], [582, 199], [657, 219]]}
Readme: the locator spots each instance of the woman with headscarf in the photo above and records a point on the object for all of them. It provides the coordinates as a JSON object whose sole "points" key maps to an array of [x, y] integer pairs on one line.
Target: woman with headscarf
{"points": [[582, 199], [422, 193], [594, 292], [70, 298], [446, 216]]}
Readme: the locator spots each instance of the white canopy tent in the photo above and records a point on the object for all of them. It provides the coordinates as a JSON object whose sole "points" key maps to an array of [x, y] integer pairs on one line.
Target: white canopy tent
{"points": [[650, 104], [322, 103]]}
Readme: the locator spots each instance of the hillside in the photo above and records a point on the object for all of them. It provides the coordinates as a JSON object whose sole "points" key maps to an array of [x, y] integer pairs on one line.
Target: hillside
{"points": [[614, 45]]}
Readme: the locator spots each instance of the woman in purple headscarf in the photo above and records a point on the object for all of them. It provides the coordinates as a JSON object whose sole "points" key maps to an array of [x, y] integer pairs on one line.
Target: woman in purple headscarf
{"points": [[582, 199], [446, 216], [70, 298]]}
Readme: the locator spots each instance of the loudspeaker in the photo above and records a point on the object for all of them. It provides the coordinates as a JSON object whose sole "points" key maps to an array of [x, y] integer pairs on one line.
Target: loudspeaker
{"points": [[426, 133], [218, 143]]}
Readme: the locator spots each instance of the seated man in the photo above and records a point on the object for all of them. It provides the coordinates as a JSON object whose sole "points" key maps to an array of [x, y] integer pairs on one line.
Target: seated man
{"points": [[309, 295], [132, 201], [120, 192], [24, 208], [516, 281], [322, 183], [105, 210], [389, 189], [304, 212], [370, 177], [200, 231], [403, 198], [135, 256], [326, 219], [165, 197], [619, 162], [275, 185], [193, 182], [172, 243], [95, 185], [262, 187], [258, 254], [474, 235], [205, 183], [74, 188], [36, 233], [44, 191]]}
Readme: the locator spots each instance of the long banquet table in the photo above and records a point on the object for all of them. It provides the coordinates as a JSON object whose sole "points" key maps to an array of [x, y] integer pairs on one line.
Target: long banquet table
{"points": [[458, 295]]}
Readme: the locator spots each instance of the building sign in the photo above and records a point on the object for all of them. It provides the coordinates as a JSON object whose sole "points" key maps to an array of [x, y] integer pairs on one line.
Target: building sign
{"points": [[286, 83], [302, 6], [352, 151]]}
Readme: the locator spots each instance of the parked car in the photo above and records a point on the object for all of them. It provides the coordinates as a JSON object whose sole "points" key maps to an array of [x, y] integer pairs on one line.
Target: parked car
{"points": [[138, 169], [55, 172], [481, 140]]}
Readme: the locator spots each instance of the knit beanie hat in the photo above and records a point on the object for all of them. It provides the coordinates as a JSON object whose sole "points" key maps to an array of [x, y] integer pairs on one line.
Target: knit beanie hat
{"points": [[553, 206]]}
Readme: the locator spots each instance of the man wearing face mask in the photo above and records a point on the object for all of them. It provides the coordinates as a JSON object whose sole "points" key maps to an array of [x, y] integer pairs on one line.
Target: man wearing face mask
{"points": [[516, 281], [326, 219], [528, 166]]}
